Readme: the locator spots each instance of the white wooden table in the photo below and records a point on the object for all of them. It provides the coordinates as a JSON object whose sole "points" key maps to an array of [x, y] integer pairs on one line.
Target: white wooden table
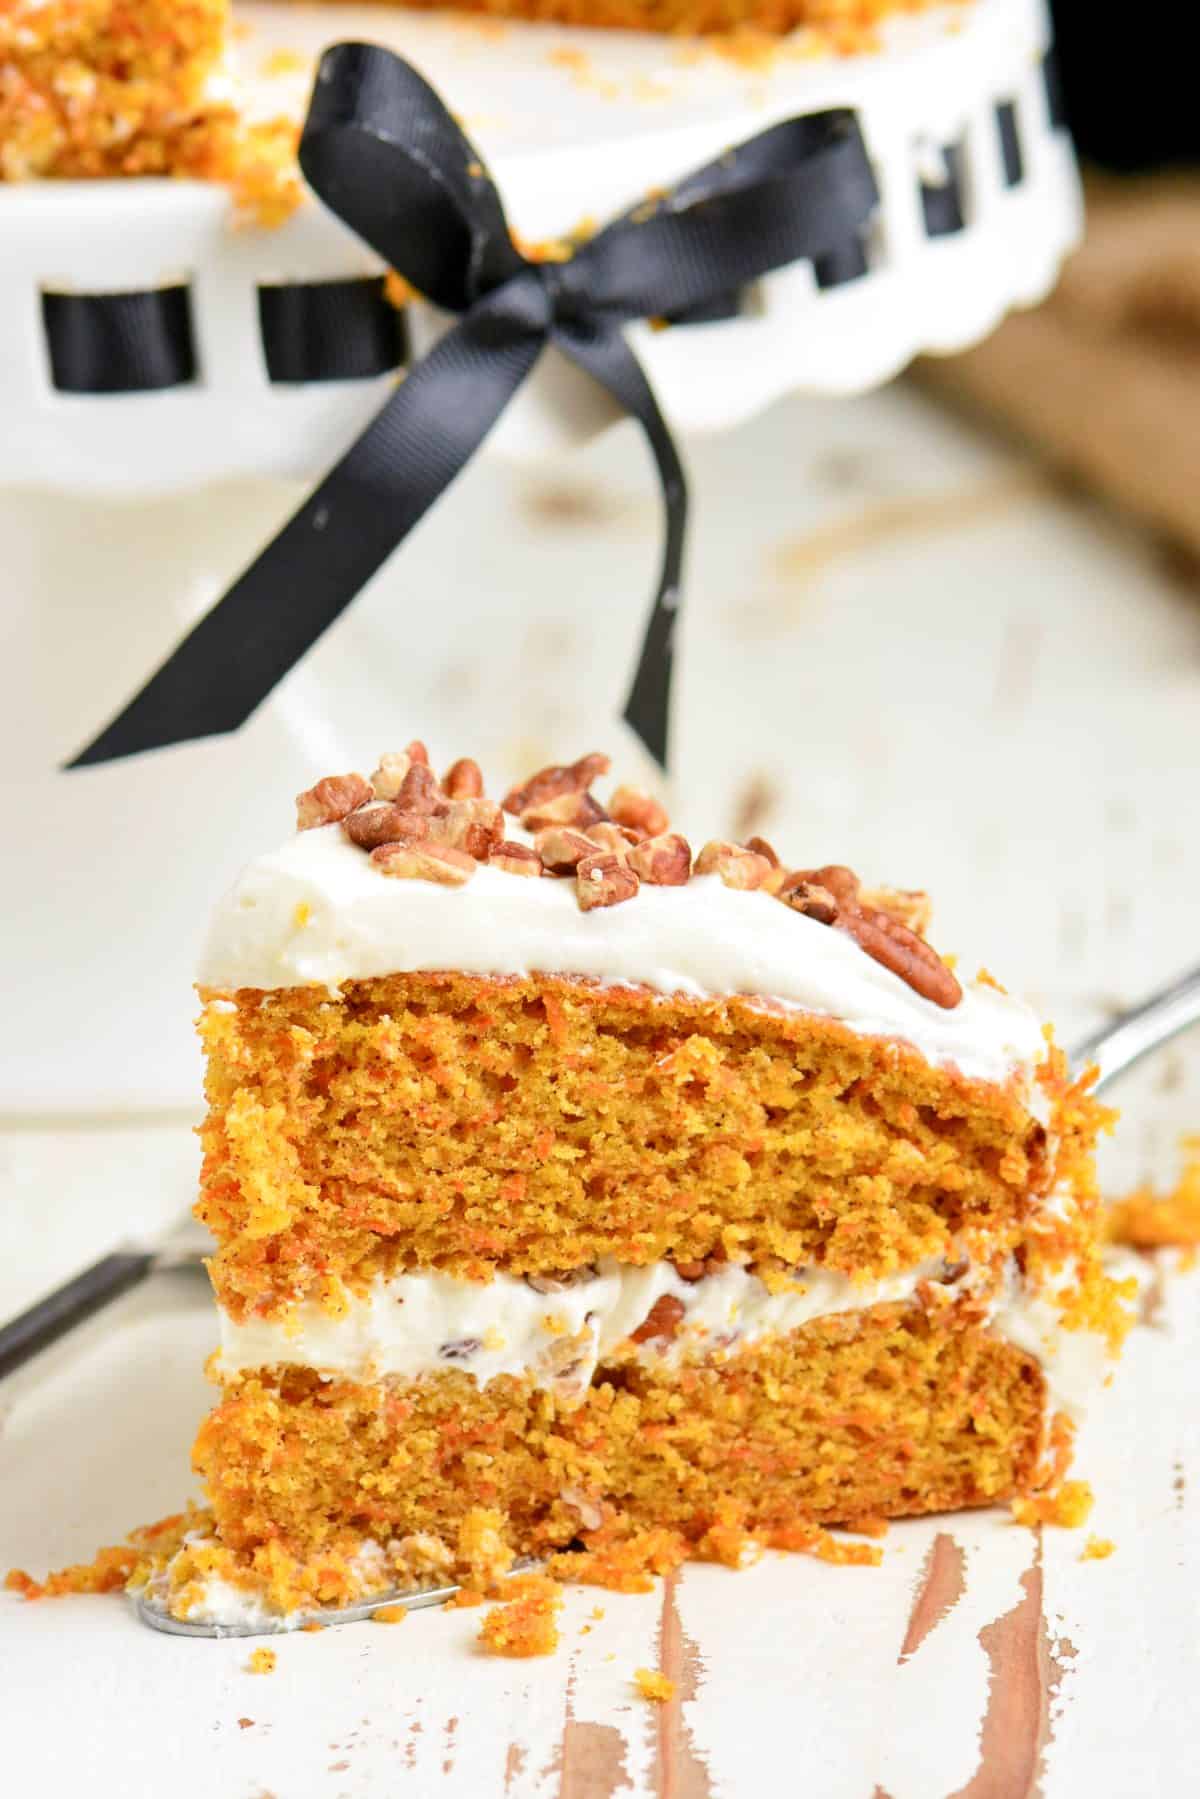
{"points": [[902, 649]]}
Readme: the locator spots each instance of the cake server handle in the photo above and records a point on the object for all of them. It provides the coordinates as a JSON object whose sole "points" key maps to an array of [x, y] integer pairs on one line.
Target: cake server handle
{"points": [[70, 1304], [1118, 1045]]}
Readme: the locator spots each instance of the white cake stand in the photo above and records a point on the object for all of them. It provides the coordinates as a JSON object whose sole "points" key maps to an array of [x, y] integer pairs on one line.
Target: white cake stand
{"points": [[979, 202], [146, 505]]}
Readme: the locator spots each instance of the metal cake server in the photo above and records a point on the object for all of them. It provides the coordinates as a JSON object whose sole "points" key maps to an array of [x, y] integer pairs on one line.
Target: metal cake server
{"points": [[1117, 1045], [1114, 1047]]}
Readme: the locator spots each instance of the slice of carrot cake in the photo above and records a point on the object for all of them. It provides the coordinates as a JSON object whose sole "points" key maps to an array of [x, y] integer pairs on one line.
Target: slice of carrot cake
{"points": [[568, 1185]]}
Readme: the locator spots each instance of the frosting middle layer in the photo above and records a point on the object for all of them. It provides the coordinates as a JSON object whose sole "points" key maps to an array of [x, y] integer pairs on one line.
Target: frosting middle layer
{"points": [[411, 1325]]}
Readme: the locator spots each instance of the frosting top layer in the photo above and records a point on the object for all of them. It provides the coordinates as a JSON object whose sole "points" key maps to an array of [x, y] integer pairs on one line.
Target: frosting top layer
{"points": [[318, 912]]}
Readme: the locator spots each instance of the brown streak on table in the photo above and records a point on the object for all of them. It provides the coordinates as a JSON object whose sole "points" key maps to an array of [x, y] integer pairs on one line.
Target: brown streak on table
{"points": [[590, 1761], [939, 1588], [1025, 1671], [679, 1772]]}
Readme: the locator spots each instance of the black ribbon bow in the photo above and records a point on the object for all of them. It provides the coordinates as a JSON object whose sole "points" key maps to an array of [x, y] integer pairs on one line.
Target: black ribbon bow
{"points": [[382, 152]]}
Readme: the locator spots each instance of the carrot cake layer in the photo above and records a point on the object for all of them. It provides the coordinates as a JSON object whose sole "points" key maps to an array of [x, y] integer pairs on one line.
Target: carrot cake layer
{"points": [[112, 87], [564, 1176]]}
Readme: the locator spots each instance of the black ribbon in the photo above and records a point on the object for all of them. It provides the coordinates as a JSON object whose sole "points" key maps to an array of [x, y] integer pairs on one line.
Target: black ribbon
{"points": [[381, 150]]}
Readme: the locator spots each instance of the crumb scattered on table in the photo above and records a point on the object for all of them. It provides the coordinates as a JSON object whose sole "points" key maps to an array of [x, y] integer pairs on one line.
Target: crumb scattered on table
{"points": [[653, 1685], [1070, 1506]]}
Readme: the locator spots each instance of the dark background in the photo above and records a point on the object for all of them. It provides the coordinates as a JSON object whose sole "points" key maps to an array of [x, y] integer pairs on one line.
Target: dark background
{"points": [[1130, 86]]}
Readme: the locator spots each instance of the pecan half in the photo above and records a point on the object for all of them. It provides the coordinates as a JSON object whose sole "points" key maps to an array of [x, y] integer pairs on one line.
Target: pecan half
{"points": [[909, 906], [424, 861], [330, 800], [383, 821], [472, 825], [808, 897], [603, 880], [888, 941], [662, 1320], [663, 861], [515, 859], [419, 790], [561, 849], [551, 783], [639, 811], [736, 866], [463, 780]]}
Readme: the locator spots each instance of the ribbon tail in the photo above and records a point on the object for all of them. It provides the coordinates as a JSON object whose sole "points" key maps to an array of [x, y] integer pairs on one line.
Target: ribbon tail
{"points": [[606, 356], [327, 552]]}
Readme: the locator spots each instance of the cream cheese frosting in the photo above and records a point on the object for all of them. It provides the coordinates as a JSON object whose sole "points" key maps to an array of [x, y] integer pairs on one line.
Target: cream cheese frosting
{"points": [[412, 1325], [317, 911]]}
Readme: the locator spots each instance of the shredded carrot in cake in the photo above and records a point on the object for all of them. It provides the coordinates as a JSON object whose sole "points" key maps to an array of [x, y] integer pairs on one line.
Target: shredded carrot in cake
{"points": [[1097, 1549], [390, 1614]]}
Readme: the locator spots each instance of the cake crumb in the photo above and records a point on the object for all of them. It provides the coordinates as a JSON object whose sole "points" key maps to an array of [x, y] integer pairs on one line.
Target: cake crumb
{"points": [[1097, 1549], [1147, 1219], [525, 1625], [390, 1614], [464, 1598], [1070, 1506], [653, 1685], [262, 1661]]}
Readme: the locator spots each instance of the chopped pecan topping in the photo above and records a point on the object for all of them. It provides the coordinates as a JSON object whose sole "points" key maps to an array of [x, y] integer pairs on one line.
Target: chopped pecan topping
{"points": [[330, 800], [886, 940], [472, 825], [561, 849], [551, 783], [460, 1349], [910, 907], [618, 840], [561, 1278], [662, 1320], [663, 861], [515, 859], [639, 811], [736, 866], [390, 774], [424, 861], [383, 821], [463, 780], [806, 896], [842, 882], [603, 880], [578, 809], [761, 847], [419, 791]]}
